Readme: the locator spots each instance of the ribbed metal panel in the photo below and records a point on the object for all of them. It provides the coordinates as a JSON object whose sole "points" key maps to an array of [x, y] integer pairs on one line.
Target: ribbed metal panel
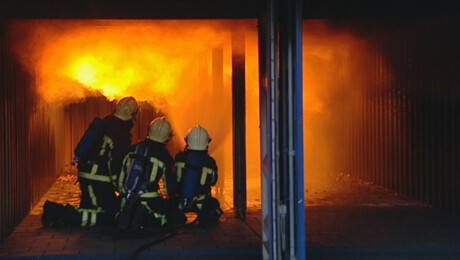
{"points": [[38, 142], [404, 133], [28, 163], [38, 139], [12, 173]]}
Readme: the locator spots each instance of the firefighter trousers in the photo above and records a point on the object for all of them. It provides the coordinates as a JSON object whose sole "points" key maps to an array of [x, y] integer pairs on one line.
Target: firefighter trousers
{"points": [[98, 205], [208, 210]]}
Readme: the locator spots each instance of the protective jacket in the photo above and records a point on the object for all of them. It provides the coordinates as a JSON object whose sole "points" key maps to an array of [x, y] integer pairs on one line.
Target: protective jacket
{"points": [[97, 174], [158, 181], [103, 162], [207, 207]]}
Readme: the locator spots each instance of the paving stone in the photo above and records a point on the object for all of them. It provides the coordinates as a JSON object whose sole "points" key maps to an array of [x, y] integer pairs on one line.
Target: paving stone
{"points": [[32, 252], [362, 216], [54, 247], [60, 252]]}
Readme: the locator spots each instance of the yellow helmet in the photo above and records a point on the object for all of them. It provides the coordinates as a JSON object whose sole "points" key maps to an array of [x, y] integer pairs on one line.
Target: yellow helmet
{"points": [[160, 130], [126, 109], [197, 138]]}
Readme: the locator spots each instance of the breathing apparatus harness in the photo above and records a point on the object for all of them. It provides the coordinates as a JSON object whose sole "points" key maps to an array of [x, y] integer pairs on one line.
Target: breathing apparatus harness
{"points": [[136, 181], [190, 180], [187, 198], [135, 184], [89, 138]]}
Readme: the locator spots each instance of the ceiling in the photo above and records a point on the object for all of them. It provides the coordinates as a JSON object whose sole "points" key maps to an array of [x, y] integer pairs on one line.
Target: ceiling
{"points": [[219, 9]]}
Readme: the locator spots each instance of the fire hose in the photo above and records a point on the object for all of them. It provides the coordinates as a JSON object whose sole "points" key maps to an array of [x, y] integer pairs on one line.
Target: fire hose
{"points": [[168, 234]]}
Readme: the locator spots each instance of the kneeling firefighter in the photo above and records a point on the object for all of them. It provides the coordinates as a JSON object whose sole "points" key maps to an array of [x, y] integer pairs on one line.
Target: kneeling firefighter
{"points": [[196, 172], [143, 167], [99, 155]]}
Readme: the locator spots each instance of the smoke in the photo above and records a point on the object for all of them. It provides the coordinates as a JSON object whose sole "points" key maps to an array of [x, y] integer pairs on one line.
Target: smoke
{"points": [[332, 93], [166, 63], [182, 68]]}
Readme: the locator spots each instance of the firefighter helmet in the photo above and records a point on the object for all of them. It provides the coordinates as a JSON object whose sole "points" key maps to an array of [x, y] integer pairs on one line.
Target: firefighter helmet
{"points": [[197, 138], [126, 109], [160, 130]]}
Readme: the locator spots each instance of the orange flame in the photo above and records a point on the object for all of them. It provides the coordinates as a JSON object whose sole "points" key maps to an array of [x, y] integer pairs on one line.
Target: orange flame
{"points": [[116, 59], [170, 64]]}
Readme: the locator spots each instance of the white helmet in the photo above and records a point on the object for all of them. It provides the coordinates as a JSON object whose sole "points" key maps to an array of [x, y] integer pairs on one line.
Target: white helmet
{"points": [[197, 138], [160, 130], [126, 109]]}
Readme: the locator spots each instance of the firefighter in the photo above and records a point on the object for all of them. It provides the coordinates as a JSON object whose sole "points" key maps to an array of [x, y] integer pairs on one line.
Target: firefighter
{"points": [[97, 173], [196, 173], [145, 203]]}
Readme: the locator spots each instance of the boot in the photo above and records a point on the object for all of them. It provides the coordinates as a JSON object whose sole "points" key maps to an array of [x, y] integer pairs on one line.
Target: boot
{"points": [[123, 220], [139, 217], [68, 217], [176, 217], [210, 212], [51, 213]]}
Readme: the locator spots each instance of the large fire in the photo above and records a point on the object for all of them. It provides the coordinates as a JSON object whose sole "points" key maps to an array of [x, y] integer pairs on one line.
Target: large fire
{"points": [[182, 68], [147, 59]]}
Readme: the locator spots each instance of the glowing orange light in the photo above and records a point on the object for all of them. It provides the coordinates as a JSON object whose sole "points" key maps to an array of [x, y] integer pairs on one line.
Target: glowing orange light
{"points": [[85, 72], [182, 68], [329, 57]]}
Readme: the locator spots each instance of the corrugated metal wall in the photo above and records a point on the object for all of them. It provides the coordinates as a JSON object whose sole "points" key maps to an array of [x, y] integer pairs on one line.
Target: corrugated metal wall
{"points": [[398, 118], [38, 142], [37, 139], [403, 132], [28, 137]]}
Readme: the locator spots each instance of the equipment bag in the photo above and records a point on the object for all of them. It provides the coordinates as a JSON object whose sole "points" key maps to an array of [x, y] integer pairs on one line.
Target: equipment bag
{"points": [[135, 177], [94, 130], [190, 180]]}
